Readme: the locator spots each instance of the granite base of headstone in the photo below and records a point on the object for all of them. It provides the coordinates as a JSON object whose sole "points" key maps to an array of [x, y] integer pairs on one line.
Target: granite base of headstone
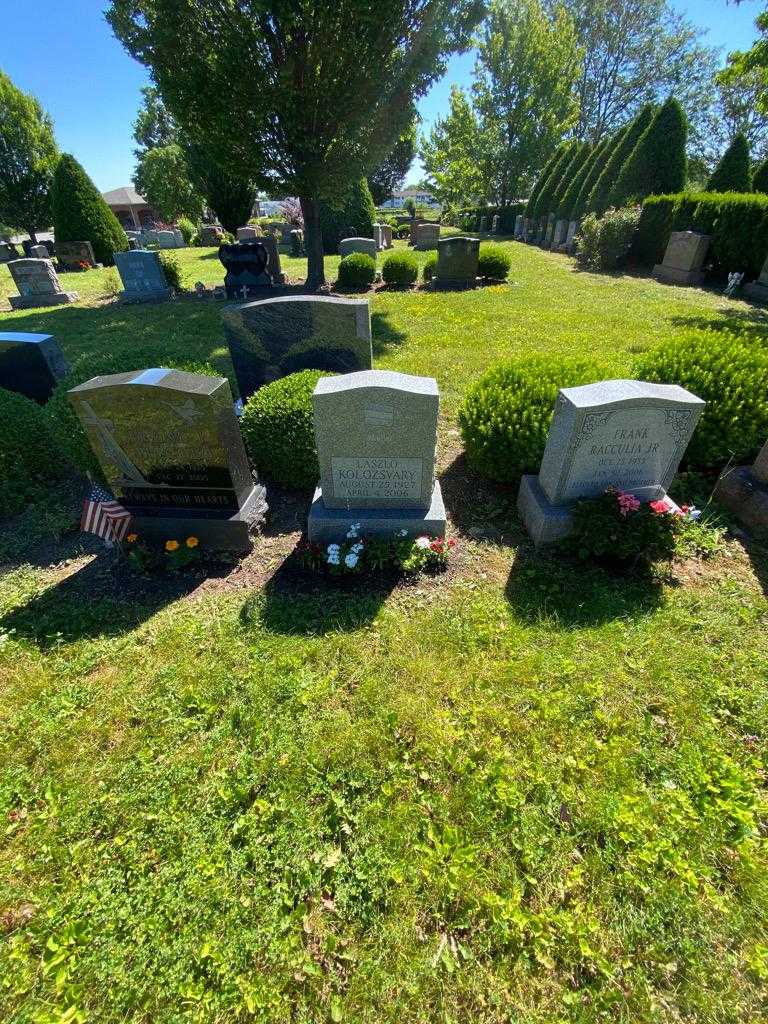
{"points": [[73, 255], [683, 259], [31, 364], [245, 264], [743, 490], [273, 337], [376, 433], [758, 290], [626, 434], [142, 275], [364, 245], [170, 448], [38, 285], [457, 261]]}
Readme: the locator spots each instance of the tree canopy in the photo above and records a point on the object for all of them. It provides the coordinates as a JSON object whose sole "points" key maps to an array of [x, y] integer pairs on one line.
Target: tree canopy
{"points": [[455, 155], [162, 177], [28, 157], [391, 172], [303, 97]]}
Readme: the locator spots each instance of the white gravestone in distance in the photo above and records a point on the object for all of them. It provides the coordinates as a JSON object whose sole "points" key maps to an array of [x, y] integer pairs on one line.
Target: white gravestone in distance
{"points": [[683, 259], [376, 432], [561, 230], [625, 434], [364, 245]]}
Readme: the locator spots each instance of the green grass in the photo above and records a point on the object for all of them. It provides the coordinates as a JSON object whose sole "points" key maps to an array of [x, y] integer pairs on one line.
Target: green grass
{"points": [[524, 792]]}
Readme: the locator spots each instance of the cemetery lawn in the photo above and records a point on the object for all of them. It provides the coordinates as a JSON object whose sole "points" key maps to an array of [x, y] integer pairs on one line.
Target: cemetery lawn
{"points": [[526, 791]]}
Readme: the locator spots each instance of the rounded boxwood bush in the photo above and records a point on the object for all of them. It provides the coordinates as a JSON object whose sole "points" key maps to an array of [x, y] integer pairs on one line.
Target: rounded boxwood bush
{"points": [[430, 268], [30, 457], [729, 371], [62, 418], [278, 430], [400, 268], [358, 270], [506, 413], [494, 261]]}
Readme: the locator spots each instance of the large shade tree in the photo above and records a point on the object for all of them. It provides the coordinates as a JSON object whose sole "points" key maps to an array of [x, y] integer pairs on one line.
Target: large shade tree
{"points": [[28, 158], [303, 96], [456, 154], [392, 171]]}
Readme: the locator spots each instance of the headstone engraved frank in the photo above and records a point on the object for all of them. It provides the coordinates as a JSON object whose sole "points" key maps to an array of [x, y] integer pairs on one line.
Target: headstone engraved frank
{"points": [[271, 338], [683, 259], [376, 433], [625, 434], [31, 364], [142, 275], [170, 448], [38, 285]]}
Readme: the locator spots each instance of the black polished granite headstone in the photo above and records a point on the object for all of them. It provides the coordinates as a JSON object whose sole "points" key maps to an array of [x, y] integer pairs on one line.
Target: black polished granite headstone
{"points": [[246, 268], [170, 447], [31, 364]]}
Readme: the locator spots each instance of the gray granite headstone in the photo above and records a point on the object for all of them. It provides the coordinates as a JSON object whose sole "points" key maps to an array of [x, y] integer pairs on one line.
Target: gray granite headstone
{"points": [[626, 434], [427, 236], [457, 262], [71, 255], [38, 252], [38, 285], [744, 491], [169, 446], [496, 221], [247, 234], [758, 290], [386, 235], [561, 230], [519, 226], [549, 231], [364, 245], [377, 237], [683, 259], [142, 275], [210, 234], [271, 338], [483, 225], [31, 364], [570, 238], [376, 433]]}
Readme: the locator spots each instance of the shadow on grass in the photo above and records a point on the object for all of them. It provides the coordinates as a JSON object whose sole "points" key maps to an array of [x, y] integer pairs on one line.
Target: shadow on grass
{"points": [[104, 598], [548, 585], [755, 319], [297, 602], [384, 335], [477, 506]]}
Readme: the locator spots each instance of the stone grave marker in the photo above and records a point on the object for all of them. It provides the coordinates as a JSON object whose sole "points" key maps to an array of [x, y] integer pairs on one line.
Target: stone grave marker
{"points": [[683, 259], [38, 285], [376, 433], [483, 225], [31, 364], [625, 434], [39, 252], [377, 237], [495, 224], [142, 275], [247, 234], [167, 239], [246, 264], [519, 226], [427, 236], [549, 231], [273, 259], [386, 235], [297, 243], [70, 255], [758, 290], [744, 491], [271, 338], [457, 262], [570, 238], [210, 234], [170, 448], [364, 245], [560, 232]]}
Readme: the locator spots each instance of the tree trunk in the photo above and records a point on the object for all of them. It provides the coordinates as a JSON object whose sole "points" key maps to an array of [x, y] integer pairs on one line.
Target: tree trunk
{"points": [[313, 243], [32, 235]]}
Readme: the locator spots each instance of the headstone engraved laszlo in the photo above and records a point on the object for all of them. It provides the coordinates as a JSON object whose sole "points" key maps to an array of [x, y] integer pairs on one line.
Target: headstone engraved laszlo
{"points": [[38, 285], [683, 259], [376, 433], [170, 448], [271, 338], [142, 275], [31, 364], [625, 434]]}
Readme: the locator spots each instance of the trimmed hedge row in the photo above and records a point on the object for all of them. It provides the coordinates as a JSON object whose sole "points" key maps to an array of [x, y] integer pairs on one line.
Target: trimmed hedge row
{"points": [[469, 217], [737, 222]]}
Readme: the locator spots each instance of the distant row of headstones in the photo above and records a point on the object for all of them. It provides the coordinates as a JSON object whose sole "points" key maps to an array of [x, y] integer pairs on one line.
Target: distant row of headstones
{"points": [[170, 447]]}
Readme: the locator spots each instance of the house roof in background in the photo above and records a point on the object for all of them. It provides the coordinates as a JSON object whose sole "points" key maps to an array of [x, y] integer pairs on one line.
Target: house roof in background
{"points": [[125, 196]]}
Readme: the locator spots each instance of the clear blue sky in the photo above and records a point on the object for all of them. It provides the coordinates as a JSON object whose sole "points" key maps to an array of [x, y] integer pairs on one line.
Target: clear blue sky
{"points": [[64, 52]]}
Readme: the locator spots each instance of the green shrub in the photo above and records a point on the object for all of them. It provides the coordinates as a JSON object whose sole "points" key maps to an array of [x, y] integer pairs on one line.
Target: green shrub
{"points": [[530, 206], [543, 203], [400, 268], [171, 268], [402, 232], [619, 530], [357, 214], [62, 419], [278, 430], [30, 457], [730, 372], [494, 261], [733, 172], [358, 271], [604, 243], [737, 222], [188, 229], [599, 198], [658, 162], [760, 177], [505, 415], [430, 268], [81, 215]]}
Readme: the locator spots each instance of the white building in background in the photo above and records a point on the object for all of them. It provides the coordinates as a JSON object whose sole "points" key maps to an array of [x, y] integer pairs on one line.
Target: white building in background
{"points": [[420, 196]]}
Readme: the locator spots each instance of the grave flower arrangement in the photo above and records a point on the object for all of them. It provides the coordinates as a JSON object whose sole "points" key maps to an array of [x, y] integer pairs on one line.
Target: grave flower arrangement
{"points": [[358, 554], [169, 556], [619, 529]]}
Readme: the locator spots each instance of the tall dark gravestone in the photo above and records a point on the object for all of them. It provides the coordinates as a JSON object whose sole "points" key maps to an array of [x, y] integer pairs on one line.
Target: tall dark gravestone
{"points": [[246, 265], [170, 448], [274, 337], [31, 364]]}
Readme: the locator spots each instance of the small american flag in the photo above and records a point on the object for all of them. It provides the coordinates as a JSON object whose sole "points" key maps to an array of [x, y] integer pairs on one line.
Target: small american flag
{"points": [[104, 516]]}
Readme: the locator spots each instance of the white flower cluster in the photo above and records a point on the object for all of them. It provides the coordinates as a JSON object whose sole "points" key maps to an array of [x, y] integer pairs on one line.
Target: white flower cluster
{"points": [[334, 551], [352, 557], [422, 542]]}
